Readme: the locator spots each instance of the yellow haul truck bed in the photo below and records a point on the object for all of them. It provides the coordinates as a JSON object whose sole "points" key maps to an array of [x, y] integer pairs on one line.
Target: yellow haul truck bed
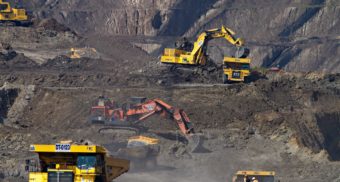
{"points": [[260, 176], [74, 163]]}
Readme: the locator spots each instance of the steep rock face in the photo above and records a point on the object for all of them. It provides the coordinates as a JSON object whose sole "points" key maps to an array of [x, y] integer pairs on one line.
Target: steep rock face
{"points": [[296, 35], [261, 21], [7, 98], [329, 124], [127, 17]]}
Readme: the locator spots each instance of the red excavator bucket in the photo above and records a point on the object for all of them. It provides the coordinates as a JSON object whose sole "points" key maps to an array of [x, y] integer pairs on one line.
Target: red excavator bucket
{"points": [[195, 142]]}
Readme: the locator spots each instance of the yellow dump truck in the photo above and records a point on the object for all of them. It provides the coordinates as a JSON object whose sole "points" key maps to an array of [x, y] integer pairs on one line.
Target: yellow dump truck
{"points": [[65, 162], [260, 176], [142, 151], [12, 15], [236, 69]]}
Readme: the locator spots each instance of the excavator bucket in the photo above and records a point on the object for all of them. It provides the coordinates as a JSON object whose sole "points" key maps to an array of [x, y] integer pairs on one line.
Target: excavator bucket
{"points": [[195, 142]]}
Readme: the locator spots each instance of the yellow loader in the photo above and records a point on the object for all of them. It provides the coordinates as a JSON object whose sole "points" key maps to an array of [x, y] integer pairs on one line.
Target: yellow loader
{"points": [[12, 16]]}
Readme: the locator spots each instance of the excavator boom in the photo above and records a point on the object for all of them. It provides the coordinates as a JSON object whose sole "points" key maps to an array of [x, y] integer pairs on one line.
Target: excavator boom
{"points": [[228, 34], [155, 106]]}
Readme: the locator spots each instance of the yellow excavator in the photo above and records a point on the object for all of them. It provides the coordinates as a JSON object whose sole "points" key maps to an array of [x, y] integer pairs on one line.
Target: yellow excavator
{"points": [[66, 161], [12, 16], [234, 68]]}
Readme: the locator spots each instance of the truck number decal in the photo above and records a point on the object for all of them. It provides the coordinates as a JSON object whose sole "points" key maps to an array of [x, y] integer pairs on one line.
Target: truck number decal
{"points": [[62, 147], [236, 74]]}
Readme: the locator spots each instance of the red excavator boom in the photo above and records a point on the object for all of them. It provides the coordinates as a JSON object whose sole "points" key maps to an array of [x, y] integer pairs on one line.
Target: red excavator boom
{"points": [[157, 106], [107, 112]]}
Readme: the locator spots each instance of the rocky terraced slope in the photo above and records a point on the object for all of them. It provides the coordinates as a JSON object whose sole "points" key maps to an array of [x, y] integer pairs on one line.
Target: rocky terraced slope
{"points": [[296, 35]]}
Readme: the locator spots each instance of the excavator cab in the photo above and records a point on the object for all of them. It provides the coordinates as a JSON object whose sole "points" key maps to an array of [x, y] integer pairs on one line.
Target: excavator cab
{"points": [[101, 113]]}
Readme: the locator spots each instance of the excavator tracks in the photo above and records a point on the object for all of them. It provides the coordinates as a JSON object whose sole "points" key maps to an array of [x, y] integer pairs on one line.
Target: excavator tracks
{"points": [[137, 130]]}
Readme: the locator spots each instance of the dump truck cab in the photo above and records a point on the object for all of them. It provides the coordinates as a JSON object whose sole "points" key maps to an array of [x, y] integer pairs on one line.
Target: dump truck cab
{"points": [[260, 176], [74, 163], [236, 69]]}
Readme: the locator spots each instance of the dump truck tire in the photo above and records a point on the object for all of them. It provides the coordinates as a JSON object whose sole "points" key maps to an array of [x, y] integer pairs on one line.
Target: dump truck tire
{"points": [[151, 163], [225, 78]]}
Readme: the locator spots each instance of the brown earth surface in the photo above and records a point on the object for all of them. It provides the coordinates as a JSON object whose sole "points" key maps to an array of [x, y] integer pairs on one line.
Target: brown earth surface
{"points": [[286, 123]]}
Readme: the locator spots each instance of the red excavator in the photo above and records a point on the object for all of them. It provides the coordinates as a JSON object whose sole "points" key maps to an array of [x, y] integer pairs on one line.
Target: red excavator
{"points": [[129, 115]]}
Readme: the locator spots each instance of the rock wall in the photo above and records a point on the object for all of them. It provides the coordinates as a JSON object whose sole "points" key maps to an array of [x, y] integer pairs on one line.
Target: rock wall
{"points": [[7, 98], [329, 124], [296, 35]]}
